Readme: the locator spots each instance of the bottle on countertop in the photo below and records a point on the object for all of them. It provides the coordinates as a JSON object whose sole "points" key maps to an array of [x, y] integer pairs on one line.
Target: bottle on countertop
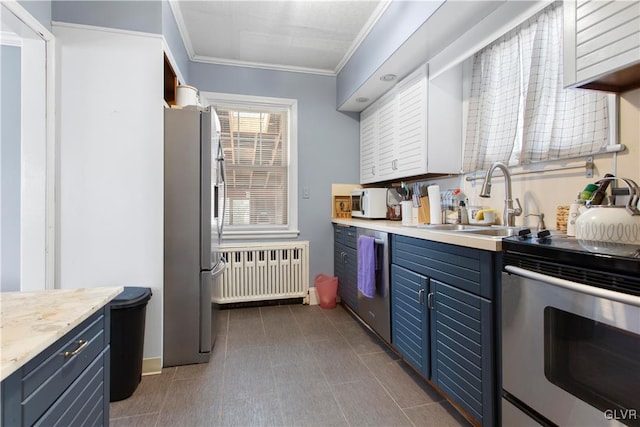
{"points": [[598, 195], [587, 192], [463, 214]]}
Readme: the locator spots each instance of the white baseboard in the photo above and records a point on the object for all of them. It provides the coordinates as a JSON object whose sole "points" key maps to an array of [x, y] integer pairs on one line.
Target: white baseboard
{"points": [[152, 366]]}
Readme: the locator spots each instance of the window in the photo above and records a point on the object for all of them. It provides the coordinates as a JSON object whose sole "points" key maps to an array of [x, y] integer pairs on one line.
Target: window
{"points": [[258, 138], [519, 112]]}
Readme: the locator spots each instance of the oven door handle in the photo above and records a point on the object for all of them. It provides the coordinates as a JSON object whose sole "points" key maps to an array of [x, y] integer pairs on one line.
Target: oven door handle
{"points": [[574, 286]]}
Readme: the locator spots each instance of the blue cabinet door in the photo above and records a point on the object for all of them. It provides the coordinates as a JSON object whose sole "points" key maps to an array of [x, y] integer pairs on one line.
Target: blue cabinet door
{"points": [[461, 349], [345, 267], [409, 321]]}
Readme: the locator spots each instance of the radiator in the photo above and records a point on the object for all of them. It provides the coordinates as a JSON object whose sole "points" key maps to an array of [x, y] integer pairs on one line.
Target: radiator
{"points": [[265, 271]]}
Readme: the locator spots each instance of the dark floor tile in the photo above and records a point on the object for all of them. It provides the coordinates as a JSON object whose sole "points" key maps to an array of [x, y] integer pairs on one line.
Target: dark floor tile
{"points": [[301, 378], [192, 402], [253, 411], [361, 339], [223, 322], [339, 315], [315, 328], [247, 332], [247, 372], [290, 365], [306, 310], [436, 415], [366, 403], [282, 332], [404, 385], [236, 314], [338, 361], [147, 398], [213, 369], [148, 420], [290, 353], [276, 312], [311, 409]]}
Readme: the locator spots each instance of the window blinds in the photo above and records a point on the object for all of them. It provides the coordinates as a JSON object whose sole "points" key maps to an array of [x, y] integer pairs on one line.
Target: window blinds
{"points": [[518, 110], [255, 144]]}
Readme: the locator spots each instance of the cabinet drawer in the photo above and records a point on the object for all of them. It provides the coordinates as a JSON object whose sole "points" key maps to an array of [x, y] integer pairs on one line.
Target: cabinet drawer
{"points": [[83, 402], [338, 233], [465, 268], [345, 235], [48, 375], [351, 237]]}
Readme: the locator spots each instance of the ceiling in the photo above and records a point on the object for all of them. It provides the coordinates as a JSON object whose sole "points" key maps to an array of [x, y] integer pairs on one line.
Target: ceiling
{"points": [[314, 36]]}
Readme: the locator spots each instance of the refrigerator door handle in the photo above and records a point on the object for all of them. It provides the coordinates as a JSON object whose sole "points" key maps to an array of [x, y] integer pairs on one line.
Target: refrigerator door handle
{"points": [[223, 181], [221, 265]]}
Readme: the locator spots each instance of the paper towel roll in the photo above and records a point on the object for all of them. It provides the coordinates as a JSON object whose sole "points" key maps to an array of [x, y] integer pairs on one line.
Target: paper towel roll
{"points": [[434, 204]]}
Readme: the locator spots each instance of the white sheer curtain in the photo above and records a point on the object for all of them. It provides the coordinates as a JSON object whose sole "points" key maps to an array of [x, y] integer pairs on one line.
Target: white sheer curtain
{"points": [[538, 120], [494, 104]]}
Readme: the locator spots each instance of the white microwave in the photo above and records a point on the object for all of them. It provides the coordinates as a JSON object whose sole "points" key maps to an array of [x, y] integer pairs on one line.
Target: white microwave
{"points": [[369, 203]]}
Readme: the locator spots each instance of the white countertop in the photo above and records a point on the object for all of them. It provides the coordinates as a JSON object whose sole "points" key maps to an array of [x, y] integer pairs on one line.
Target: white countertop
{"points": [[452, 237], [32, 321]]}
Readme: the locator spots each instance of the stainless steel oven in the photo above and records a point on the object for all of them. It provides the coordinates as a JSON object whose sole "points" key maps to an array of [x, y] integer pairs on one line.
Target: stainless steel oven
{"points": [[570, 333]]}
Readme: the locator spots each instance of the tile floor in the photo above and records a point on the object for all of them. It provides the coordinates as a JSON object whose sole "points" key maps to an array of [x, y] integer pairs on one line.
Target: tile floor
{"points": [[288, 365]]}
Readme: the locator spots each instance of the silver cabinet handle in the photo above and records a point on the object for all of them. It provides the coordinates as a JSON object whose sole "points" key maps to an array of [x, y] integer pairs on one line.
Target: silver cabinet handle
{"points": [[373, 170], [574, 286], [81, 346], [420, 293], [430, 300]]}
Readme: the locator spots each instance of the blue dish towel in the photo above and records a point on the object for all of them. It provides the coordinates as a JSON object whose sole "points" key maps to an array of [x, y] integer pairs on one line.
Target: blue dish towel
{"points": [[367, 266]]}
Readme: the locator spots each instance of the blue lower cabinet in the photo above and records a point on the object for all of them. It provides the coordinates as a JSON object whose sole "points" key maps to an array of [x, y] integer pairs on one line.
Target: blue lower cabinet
{"points": [[345, 264], [409, 320], [443, 319], [346, 269], [66, 384], [462, 349]]}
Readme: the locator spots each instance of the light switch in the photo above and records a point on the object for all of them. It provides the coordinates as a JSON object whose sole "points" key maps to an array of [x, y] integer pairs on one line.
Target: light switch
{"points": [[305, 192]]}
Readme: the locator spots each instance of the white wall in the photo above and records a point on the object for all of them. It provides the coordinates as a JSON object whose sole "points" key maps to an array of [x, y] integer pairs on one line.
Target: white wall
{"points": [[10, 163], [110, 163]]}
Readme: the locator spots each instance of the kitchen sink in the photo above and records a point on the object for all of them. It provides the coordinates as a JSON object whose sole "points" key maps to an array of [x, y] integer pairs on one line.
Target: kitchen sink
{"points": [[494, 232], [450, 227]]}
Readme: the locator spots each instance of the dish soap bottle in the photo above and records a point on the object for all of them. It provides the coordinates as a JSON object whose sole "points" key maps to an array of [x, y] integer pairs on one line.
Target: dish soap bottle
{"points": [[463, 214]]}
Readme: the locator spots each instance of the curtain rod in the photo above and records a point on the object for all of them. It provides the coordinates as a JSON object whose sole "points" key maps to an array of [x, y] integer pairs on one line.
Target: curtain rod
{"points": [[614, 148]]}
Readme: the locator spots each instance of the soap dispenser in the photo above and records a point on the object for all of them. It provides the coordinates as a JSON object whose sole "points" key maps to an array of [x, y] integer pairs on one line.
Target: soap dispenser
{"points": [[463, 214]]}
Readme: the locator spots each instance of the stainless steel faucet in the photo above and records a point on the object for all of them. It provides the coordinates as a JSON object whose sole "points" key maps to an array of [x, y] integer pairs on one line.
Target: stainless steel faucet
{"points": [[541, 224], [509, 214]]}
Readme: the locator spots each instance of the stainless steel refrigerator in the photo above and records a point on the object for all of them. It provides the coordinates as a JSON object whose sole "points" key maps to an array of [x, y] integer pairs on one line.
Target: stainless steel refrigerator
{"points": [[193, 218]]}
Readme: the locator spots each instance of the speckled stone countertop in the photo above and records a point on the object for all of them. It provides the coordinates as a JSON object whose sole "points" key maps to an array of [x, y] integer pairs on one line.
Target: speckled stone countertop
{"points": [[452, 237], [32, 321]]}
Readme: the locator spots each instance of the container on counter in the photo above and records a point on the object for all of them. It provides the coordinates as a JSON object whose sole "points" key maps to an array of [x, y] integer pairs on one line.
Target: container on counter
{"points": [[394, 212]]}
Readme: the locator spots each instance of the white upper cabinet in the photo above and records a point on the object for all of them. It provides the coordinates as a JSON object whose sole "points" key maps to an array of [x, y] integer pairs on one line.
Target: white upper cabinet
{"points": [[411, 147], [602, 44], [368, 145], [414, 129], [387, 142]]}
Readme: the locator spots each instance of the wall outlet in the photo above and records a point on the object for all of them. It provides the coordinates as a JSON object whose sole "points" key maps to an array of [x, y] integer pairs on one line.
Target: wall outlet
{"points": [[305, 192]]}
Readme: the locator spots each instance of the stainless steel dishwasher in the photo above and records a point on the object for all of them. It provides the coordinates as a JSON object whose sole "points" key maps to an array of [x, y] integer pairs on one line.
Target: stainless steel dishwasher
{"points": [[375, 311]]}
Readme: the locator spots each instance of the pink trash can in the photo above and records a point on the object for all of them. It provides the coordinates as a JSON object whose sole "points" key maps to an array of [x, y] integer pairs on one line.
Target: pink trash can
{"points": [[327, 287]]}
